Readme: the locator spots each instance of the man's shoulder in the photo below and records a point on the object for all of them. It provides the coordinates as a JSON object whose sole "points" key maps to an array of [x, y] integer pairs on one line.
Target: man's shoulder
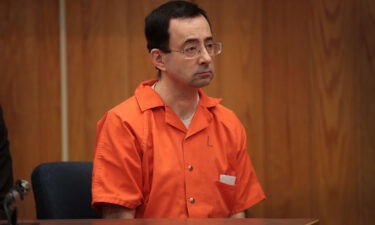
{"points": [[126, 110], [226, 116], [223, 111], [225, 120]]}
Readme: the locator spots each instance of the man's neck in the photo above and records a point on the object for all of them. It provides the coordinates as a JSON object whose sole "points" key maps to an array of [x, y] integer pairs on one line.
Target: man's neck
{"points": [[182, 99]]}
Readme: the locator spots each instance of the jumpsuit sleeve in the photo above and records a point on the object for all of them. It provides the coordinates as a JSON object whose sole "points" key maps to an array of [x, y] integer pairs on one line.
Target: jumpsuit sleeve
{"points": [[117, 172], [248, 190]]}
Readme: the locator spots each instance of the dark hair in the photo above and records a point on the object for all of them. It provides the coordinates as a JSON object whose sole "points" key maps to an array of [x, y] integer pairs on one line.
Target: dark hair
{"points": [[157, 22]]}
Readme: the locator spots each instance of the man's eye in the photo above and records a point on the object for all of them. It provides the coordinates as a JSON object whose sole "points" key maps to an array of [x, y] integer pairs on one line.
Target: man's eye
{"points": [[209, 45], [191, 49]]}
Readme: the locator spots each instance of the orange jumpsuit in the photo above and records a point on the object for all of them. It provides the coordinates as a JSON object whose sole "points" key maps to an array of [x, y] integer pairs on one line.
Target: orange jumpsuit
{"points": [[146, 159]]}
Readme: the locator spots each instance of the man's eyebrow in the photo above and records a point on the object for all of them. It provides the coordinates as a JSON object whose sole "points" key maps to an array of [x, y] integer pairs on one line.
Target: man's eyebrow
{"points": [[194, 40], [191, 40], [209, 38]]}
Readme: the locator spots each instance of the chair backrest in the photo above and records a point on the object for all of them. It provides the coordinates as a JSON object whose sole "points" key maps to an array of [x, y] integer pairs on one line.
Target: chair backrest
{"points": [[62, 190]]}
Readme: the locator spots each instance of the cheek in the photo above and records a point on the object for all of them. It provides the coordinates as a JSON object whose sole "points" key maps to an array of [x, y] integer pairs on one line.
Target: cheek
{"points": [[181, 67], [172, 63]]}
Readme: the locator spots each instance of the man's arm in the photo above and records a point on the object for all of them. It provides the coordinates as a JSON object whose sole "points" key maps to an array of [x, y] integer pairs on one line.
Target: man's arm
{"points": [[111, 211], [238, 215]]}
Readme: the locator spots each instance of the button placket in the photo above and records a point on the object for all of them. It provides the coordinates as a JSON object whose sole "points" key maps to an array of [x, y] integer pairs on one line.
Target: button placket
{"points": [[190, 189]]}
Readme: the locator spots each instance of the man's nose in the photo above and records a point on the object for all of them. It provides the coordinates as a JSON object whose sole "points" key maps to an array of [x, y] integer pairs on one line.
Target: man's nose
{"points": [[205, 57]]}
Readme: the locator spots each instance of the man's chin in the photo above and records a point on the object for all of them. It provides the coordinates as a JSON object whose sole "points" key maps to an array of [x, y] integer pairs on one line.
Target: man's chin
{"points": [[201, 82]]}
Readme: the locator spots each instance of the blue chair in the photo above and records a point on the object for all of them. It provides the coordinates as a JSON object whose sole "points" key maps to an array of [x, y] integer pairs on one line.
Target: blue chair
{"points": [[62, 190]]}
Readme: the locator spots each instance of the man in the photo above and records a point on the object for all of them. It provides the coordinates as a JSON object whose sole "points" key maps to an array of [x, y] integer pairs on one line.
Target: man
{"points": [[6, 174], [170, 151]]}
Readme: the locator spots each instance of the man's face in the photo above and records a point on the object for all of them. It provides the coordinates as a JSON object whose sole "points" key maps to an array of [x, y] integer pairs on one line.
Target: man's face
{"points": [[185, 33]]}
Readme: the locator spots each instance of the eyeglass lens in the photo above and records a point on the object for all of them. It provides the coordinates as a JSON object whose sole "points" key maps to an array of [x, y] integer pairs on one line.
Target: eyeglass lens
{"points": [[212, 49]]}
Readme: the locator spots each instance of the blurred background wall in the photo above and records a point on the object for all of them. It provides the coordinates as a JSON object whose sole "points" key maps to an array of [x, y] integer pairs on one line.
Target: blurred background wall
{"points": [[300, 75]]}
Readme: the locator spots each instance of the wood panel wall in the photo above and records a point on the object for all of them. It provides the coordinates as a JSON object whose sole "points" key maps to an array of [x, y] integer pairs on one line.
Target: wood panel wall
{"points": [[299, 75], [335, 108], [30, 85], [107, 59], [364, 71]]}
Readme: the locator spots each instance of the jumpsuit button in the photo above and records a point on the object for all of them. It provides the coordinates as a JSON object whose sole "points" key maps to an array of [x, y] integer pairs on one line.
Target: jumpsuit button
{"points": [[192, 200], [190, 167]]}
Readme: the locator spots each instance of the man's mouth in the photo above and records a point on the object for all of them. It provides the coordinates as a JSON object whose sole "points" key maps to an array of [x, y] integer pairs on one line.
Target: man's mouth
{"points": [[205, 73]]}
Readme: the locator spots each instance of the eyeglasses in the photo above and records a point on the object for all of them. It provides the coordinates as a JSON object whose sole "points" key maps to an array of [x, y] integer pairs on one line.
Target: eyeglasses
{"points": [[191, 51]]}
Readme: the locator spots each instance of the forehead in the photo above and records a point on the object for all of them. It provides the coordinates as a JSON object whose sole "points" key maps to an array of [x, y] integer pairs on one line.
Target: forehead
{"points": [[184, 29]]}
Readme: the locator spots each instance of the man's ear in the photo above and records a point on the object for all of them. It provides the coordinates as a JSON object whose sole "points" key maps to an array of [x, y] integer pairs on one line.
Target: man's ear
{"points": [[157, 59]]}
